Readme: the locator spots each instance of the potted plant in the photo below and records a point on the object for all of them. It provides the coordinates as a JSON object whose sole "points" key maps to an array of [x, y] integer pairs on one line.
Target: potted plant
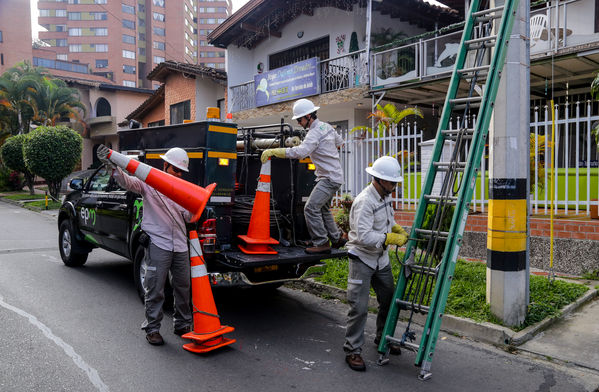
{"points": [[342, 215]]}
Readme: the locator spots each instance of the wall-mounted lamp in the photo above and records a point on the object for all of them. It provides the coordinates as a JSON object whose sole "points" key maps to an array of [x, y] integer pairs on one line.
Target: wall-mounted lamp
{"points": [[300, 34]]}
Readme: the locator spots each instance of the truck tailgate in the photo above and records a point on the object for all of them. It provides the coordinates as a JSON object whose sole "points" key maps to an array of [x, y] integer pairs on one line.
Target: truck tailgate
{"points": [[286, 255]]}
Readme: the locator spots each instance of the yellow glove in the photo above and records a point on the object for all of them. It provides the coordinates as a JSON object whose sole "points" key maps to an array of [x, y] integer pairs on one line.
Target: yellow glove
{"points": [[272, 152], [395, 239], [399, 230]]}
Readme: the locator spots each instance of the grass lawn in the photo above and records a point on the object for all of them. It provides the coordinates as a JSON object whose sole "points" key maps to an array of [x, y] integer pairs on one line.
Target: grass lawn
{"points": [[468, 290], [41, 204], [25, 196]]}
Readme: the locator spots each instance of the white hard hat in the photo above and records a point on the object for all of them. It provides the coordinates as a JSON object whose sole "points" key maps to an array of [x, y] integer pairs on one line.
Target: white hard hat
{"points": [[302, 107], [177, 157], [386, 168]]}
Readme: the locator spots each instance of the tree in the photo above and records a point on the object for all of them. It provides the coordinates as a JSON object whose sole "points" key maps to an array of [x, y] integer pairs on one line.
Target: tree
{"points": [[52, 100], [52, 153], [16, 86], [11, 153]]}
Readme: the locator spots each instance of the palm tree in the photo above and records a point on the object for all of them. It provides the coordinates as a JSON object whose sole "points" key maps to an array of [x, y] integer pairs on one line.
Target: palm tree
{"points": [[15, 94], [53, 100]]}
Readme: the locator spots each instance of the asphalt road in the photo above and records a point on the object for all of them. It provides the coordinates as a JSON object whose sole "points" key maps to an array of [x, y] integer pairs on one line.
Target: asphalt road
{"points": [[66, 329]]}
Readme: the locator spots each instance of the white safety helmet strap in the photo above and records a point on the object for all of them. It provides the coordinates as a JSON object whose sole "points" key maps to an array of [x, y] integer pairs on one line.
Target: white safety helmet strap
{"points": [[386, 168], [177, 157]]}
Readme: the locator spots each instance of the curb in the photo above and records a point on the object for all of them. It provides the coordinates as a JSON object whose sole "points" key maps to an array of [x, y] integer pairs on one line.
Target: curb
{"points": [[483, 332], [21, 204]]}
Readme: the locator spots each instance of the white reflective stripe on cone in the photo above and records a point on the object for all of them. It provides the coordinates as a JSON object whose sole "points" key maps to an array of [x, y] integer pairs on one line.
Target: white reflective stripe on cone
{"points": [[197, 271], [119, 159], [142, 171], [195, 249], [265, 169], [263, 187]]}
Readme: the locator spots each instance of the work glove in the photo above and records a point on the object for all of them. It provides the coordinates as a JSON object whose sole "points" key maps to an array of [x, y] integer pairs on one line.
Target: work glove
{"points": [[273, 152], [396, 239], [399, 230], [102, 154]]}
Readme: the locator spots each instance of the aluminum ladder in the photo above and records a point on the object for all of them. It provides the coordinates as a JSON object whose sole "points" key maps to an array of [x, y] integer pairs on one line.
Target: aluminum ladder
{"points": [[426, 274]]}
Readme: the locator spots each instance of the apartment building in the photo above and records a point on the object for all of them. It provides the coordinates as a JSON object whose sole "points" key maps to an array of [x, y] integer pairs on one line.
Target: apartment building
{"points": [[210, 15], [124, 40], [15, 38]]}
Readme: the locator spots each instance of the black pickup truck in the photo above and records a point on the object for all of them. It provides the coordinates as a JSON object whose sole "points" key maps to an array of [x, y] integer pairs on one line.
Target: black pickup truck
{"points": [[98, 213]]}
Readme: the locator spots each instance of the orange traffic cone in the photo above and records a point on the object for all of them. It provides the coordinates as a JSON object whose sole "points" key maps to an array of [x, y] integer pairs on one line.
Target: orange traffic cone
{"points": [[189, 196], [207, 330], [258, 237]]}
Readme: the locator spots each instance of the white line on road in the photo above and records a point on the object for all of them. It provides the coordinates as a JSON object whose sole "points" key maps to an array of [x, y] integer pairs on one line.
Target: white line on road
{"points": [[92, 373]]}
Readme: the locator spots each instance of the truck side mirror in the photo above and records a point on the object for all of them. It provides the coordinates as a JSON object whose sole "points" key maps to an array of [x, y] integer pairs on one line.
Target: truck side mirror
{"points": [[76, 184]]}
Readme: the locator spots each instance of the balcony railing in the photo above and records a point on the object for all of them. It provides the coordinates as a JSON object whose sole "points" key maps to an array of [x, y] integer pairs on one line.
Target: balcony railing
{"points": [[242, 97], [561, 24]]}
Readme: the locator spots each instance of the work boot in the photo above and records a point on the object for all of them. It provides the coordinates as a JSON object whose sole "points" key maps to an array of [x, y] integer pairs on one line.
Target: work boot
{"points": [[319, 249], [339, 243], [355, 362], [394, 348], [183, 331], [155, 339]]}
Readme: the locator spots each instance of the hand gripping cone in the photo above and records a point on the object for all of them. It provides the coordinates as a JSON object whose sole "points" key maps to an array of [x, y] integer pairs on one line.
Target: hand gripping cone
{"points": [[258, 237], [189, 196], [207, 330]]}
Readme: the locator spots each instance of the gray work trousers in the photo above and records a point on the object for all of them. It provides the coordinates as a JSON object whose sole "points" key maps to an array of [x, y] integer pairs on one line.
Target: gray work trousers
{"points": [[157, 263], [359, 280], [317, 211]]}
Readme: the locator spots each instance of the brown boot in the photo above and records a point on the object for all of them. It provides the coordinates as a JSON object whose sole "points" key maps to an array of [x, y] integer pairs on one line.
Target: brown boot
{"points": [[155, 339], [355, 362], [339, 243], [319, 249]]}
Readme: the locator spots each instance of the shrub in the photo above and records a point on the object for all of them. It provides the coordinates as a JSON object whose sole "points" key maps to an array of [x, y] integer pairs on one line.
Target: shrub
{"points": [[52, 153], [12, 156]]}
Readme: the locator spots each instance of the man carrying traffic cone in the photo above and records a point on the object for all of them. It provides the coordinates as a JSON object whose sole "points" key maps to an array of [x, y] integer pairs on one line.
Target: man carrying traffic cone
{"points": [[164, 222]]}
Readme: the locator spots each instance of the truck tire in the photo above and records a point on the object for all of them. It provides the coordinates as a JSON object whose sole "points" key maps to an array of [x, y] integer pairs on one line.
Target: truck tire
{"points": [[139, 272], [69, 246]]}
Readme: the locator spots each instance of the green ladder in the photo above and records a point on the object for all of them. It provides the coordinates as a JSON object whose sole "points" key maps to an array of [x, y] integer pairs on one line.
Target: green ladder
{"points": [[425, 276]]}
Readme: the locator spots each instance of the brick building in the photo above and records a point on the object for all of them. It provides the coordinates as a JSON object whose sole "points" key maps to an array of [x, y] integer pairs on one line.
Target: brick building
{"points": [[15, 38], [124, 40]]}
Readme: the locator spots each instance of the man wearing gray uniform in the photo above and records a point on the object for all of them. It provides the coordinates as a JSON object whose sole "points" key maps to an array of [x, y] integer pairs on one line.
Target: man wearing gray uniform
{"points": [[372, 229], [321, 144], [164, 222]]}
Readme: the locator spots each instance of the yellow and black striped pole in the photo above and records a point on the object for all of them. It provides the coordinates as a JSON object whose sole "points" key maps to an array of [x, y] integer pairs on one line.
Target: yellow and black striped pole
{"points": [[507, 228]]}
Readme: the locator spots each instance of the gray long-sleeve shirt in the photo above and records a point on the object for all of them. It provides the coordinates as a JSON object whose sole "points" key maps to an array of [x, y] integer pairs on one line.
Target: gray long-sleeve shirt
{"points": [[321, 145], [371, 217], [163, 219]]}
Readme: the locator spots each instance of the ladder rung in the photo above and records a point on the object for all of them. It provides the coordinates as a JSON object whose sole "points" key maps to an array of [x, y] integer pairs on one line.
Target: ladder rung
{"points": [[450, 166], [488, 18], [446, 203], [406, 305], [440, 234], [425, 270], [481, 39], [409, 345], [455, 132], [456, 101], [474, 69], [487, 11], [439, 197], [473, 105], [481, 46]]}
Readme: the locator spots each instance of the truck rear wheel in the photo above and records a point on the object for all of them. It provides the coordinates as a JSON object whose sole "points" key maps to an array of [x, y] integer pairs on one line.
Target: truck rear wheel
{"points": [[69, 246]]}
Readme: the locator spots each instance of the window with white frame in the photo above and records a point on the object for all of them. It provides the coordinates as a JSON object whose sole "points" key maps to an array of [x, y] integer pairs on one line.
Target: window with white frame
{"points": [[129, 69], [159, 31], [158, 59], [60, 13], [158, 3], [75, 32], [75, 48], [129, 83], [128, 9], [128, 24], [63, 57], [128, 54], [158, 16], [159, 45], [99, 31], [101, 48], [128, 39]]}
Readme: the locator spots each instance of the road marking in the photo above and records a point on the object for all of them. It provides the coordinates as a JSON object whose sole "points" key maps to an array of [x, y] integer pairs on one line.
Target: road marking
{"points": [[92, 373], [5, 251]]}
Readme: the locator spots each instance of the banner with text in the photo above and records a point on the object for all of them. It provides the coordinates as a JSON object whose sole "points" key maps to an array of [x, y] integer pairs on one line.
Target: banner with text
{"points": [[286, 83]]}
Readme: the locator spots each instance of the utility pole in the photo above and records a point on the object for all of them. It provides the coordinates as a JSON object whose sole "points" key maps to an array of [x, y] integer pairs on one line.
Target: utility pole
{"points": [[507, 228]]}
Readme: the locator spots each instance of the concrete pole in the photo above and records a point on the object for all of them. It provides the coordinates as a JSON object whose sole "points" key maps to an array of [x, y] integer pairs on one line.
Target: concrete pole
{"points": [[507, 239]]}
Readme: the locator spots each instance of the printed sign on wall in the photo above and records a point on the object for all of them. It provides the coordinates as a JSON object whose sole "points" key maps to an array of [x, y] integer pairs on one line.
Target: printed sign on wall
{"points": [[286, 83]]}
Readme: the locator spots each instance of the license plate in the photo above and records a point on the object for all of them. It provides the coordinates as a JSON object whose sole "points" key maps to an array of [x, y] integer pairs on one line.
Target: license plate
{"points": [[266, 268]]}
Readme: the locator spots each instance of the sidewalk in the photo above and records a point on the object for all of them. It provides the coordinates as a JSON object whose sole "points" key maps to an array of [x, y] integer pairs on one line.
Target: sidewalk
{"points": [[570, 338]]}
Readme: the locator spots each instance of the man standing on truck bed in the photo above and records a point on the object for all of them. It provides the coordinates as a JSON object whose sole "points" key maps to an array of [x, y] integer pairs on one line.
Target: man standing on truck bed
{"points": [[321, 144], [372, 229], [164, 222]]}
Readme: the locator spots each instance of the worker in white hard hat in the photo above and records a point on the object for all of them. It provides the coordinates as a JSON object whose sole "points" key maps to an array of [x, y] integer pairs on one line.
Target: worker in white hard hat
{"points": [[321, 144], [164, 222], [372, 229]]}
